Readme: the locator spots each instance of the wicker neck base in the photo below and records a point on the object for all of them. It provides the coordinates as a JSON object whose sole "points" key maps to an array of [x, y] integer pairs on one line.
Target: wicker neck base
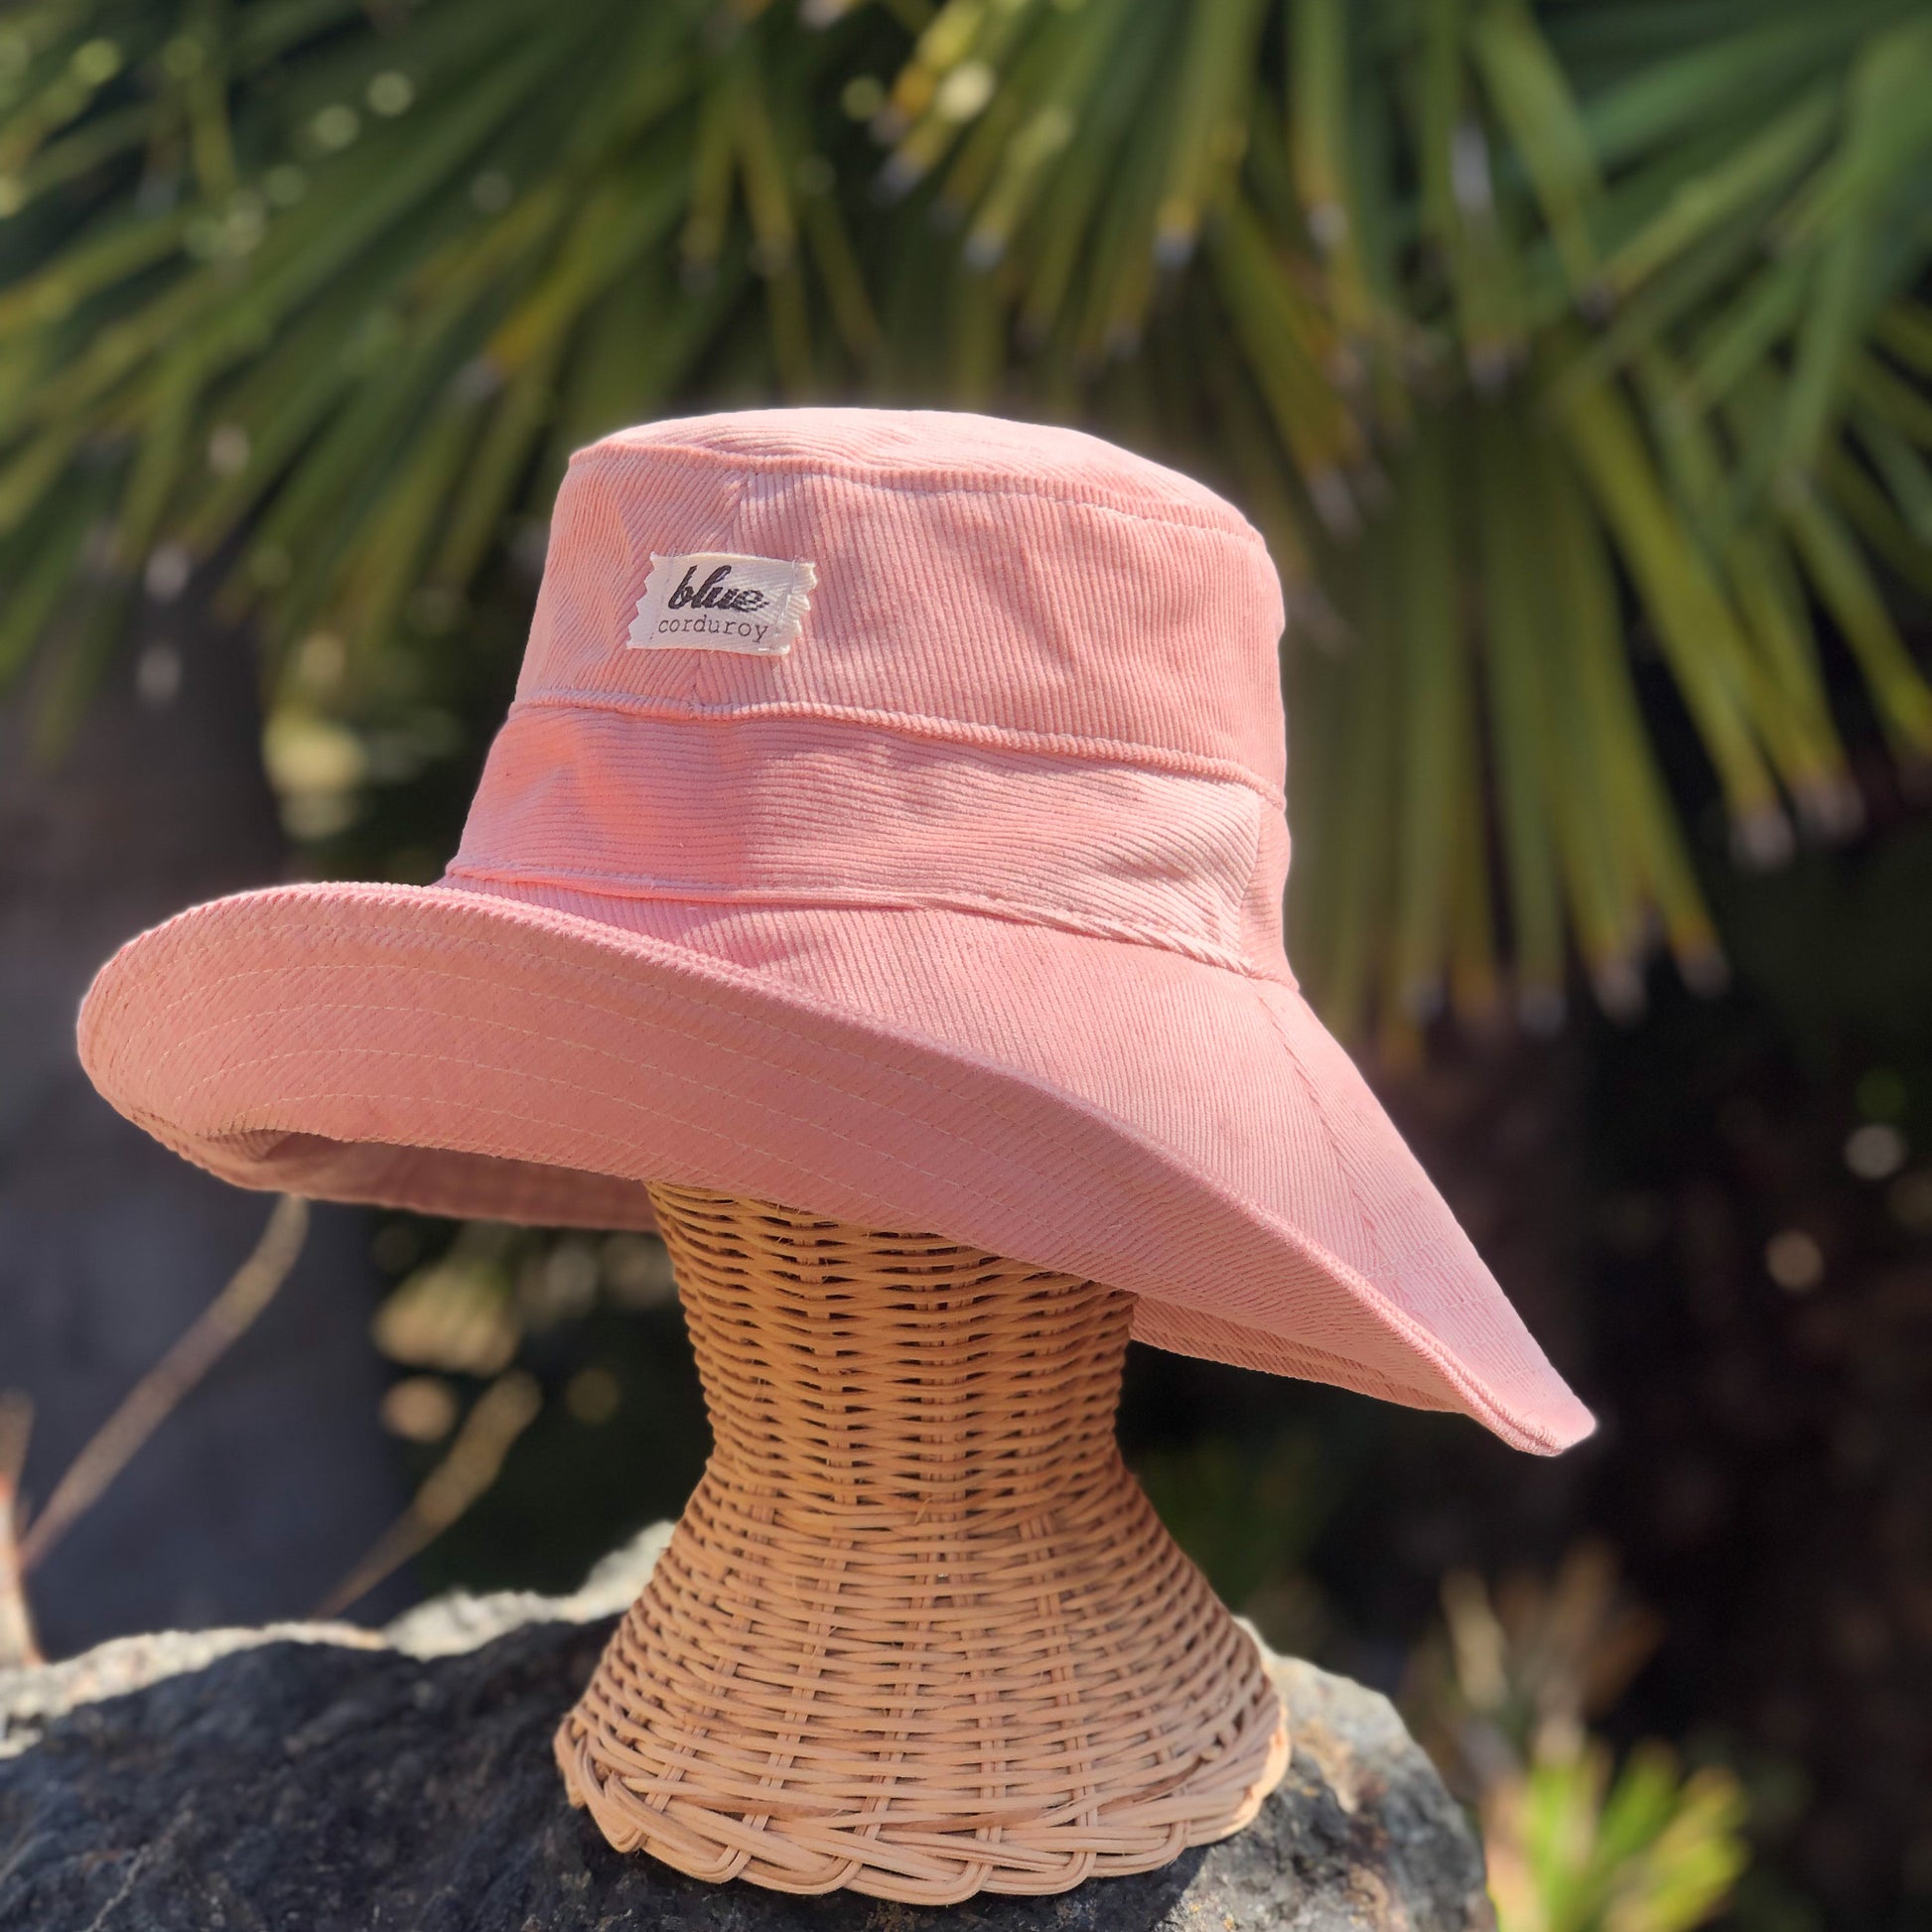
{"points": [[918, 1634]]}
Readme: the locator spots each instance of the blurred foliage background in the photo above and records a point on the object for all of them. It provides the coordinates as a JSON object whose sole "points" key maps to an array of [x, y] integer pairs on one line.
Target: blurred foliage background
{"points": [[1520, 331], [1575, 358]]}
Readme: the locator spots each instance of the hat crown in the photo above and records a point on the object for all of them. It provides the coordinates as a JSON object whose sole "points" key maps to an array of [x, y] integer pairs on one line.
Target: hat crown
{"points": [[994, 578], [918, 660]]}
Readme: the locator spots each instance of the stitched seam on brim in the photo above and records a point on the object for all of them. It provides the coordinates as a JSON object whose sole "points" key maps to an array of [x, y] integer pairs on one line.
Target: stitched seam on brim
{"points": [[1014, 911], [915, 724]]}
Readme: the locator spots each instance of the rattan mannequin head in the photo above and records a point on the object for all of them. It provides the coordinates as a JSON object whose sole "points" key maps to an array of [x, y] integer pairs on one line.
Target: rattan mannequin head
{"points": [[918, 1632]]}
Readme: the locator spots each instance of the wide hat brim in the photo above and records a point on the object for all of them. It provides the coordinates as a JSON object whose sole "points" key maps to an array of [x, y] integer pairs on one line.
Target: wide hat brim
{"points": [[1185, 1132]]}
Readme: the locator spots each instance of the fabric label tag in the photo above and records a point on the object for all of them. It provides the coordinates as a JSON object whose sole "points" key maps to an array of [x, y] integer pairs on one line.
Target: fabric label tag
{"points": [[708, 600]]}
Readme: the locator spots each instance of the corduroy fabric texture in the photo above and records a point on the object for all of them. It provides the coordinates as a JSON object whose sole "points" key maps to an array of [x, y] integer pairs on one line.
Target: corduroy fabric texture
{"points": [[964, 914]]}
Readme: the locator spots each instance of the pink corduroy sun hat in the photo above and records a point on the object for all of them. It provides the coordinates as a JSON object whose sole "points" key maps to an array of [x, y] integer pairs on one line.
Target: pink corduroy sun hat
{"points": [[890, 823]]}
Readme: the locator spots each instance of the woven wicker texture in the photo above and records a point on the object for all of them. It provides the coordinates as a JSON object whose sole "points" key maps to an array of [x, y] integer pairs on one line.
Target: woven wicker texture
{"points": [[918, 1632]]}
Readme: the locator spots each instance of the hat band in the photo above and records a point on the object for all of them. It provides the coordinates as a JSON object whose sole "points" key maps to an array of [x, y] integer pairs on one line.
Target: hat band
{"points": [[805, 810]]}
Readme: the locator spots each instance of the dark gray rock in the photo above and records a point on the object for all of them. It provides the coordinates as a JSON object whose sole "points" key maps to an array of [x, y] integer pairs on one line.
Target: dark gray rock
{"points": [[317, 1778]]}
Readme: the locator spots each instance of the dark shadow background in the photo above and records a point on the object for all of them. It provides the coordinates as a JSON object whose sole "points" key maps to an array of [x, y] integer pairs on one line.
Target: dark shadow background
{"points": [[273, 1478]]}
